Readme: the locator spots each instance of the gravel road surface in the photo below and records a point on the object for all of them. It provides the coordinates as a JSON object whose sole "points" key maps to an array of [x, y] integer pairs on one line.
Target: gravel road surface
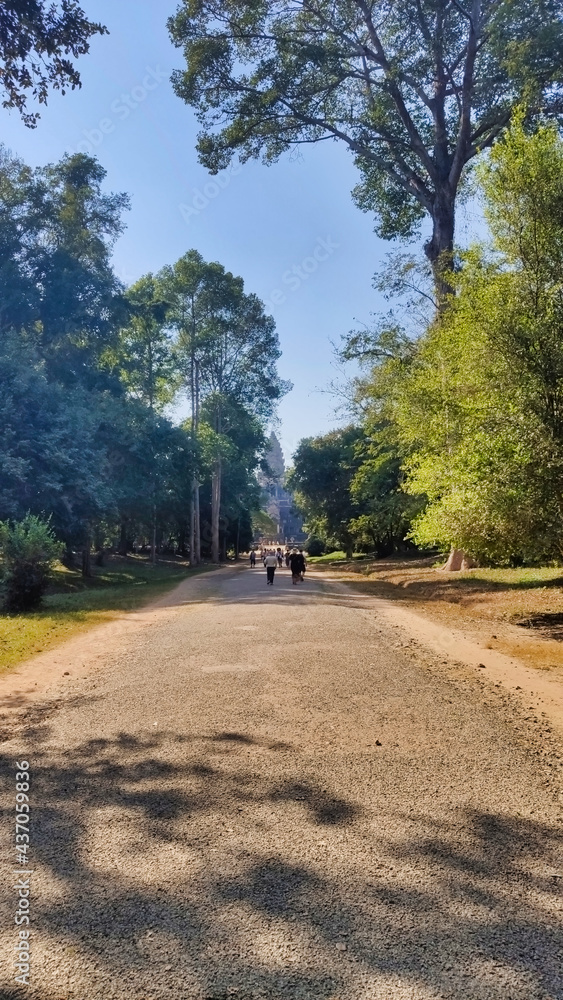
{"points": [[266, 793]]}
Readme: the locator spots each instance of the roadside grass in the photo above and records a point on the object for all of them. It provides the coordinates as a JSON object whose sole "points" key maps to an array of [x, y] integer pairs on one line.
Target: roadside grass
{"points": [[419, 576], [74, 604], [516, 611], [330, 557]]}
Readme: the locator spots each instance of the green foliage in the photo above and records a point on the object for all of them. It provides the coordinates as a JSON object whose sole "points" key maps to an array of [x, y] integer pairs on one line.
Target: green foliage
{"points": [[36, 40], [387, 513], [87, 371], [323, 470], [263, 524], [56, 278], [52, 448], [227, 348], [348, 487], [460, 440], [315, 546], [415, 92], [225, 333], [146, 357], [470, 448], [29, 549], [480, 410]]}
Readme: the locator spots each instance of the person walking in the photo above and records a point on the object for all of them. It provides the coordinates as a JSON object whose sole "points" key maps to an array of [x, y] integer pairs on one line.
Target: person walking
{"points": [[303, 564], [270, 562], [296, 566], [253, 559]]}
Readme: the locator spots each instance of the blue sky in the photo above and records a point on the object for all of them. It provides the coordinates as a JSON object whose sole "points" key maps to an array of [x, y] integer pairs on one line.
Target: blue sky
{"points": [[290, 230]]}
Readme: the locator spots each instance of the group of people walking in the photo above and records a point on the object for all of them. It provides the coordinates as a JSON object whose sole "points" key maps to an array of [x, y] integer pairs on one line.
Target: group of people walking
{"points": [[274, 559]]}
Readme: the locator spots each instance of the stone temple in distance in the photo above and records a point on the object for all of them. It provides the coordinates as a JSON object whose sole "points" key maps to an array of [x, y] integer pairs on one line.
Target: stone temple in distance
{"points": [[278, 503]]}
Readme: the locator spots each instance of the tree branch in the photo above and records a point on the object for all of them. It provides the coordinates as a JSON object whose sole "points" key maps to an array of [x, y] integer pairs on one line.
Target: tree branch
{"points": [[418, 145]]}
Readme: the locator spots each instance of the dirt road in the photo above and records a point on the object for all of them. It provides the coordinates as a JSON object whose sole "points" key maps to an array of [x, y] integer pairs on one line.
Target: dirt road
{"points": [[269, 793]]}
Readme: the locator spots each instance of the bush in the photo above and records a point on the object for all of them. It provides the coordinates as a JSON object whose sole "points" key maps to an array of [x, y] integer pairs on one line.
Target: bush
{"points": [[29, 549], [315, 546]]}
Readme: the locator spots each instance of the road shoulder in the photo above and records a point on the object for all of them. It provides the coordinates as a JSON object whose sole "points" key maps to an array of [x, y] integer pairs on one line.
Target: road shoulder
{"points": [[51, 673], [534, 690]]}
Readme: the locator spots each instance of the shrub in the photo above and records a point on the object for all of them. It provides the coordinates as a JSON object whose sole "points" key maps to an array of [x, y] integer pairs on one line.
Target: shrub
{"points": [[29, 549], [315, 546]]}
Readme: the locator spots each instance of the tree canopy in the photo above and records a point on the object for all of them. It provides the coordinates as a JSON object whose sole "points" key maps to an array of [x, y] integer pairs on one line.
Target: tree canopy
{"points": [[88, 370], [38, 41], [466, 419], [481, 409], [229, 350], [414, 90]]}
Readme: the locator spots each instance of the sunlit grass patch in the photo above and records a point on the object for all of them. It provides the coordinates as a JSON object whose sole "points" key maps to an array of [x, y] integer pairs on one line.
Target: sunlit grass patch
{"points": [[338, 556], [525, 576], [328, 557]]}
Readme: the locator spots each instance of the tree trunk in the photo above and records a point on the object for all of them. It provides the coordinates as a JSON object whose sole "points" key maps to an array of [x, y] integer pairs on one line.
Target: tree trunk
{"points": [[86, 558], [215, 509], [237, 540], [197, 525], [196, 480], [153, 537], [457, 560], [439, 248], [122, 547], [68, 558], [454, 562], [193, 559]]}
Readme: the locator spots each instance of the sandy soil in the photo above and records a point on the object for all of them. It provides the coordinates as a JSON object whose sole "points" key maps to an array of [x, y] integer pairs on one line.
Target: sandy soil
{"points": [[288, 792], [523, 621], [527, 683]]}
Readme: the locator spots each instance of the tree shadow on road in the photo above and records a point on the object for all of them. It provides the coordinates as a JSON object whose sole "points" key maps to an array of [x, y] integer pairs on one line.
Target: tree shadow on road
{"points": [[203, 852]]}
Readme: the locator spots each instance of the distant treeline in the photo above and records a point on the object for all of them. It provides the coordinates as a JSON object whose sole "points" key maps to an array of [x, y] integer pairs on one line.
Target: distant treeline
{"points": [[89, 370]]}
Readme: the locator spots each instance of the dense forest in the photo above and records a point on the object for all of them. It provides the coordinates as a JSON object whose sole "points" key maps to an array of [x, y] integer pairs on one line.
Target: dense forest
{"points": [[90, 372]]}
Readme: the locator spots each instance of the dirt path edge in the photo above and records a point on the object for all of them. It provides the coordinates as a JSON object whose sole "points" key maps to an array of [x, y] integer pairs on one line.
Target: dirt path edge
{"points": [[51, 672], [494, 667]]}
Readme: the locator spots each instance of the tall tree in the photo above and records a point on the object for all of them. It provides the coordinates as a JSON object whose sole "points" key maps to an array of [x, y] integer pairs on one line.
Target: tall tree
{"points": [[57, 232], [145, 354], [186, 283], [147, 364], [415, 90], [80, 297], [238, 364], [18, 235], [53, 458], [36, 40], [230, 349], [241, 447], [61, 301]]}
